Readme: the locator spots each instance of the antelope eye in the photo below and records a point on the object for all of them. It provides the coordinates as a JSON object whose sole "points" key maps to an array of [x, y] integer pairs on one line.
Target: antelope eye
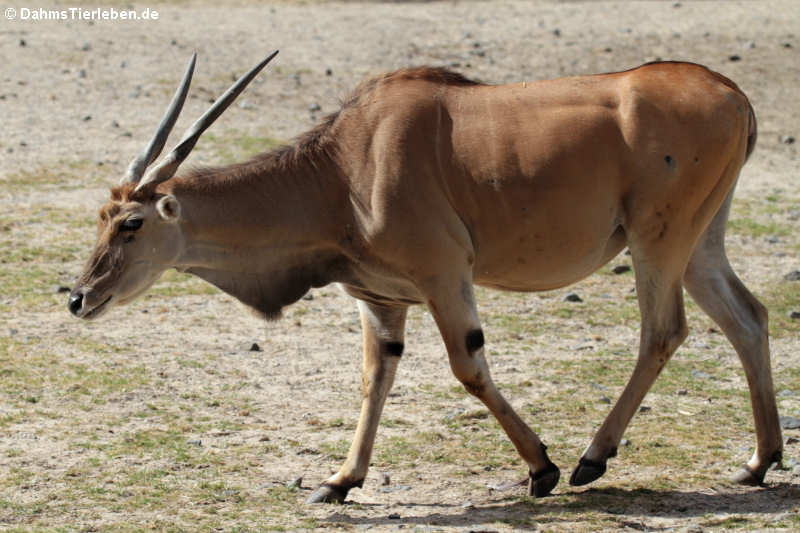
{"points": [[131, 224]]}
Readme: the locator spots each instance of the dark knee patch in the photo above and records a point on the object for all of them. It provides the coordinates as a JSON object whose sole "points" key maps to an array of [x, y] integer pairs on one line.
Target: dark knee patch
{"points": [[474, 340], [475, 385], [474, 388], [394, 348]]}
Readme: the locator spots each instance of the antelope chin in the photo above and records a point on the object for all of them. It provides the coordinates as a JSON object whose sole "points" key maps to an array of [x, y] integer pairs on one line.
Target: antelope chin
{"points": [[98, 310]]}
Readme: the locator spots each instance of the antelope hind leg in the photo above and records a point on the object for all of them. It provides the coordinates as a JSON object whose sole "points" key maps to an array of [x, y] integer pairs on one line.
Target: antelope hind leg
{"points": [[658, 284], [712, 283]]}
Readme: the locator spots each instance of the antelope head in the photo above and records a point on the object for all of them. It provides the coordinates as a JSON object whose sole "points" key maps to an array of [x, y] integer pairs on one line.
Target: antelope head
{"points": [[138, 230]]}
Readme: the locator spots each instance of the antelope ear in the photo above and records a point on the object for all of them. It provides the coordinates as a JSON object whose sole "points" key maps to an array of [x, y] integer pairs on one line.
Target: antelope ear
{"points": [[168, 208]]}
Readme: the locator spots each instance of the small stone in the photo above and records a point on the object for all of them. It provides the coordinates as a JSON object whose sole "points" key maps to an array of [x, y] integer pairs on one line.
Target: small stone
{"points": [[604, 399], [173, 42], [308, 297], [772, 239], [572, 297], [787, 45], [455, 413], [644, 409], [296, 483], [82, 73], [683, 392], [794, 315], [557, 32], [792, 440], [23, 43], [307, 451], [87, 118], [123, 64], [734, 57], [328, 72], [61, 289], [785, 392], [786, 139], [263, 438], [699, 374], [86, 46], [394, 516], [255, 347], [749, 45], [385, 479], [314, 107], [114, 124], [621, 269], [244, 104], [790, 422], [794, 275], [467, 505], [624, 442], [395, 488], [197, 443]]}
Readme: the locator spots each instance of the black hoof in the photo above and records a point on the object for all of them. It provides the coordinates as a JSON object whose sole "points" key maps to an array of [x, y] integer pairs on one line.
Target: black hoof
{"points": [[748, 476], [327, 493], [587, 471], [542, 482]]}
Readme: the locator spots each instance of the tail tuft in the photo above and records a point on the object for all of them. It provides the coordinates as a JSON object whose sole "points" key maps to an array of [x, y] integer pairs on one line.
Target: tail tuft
{"points": [[752, 132]]}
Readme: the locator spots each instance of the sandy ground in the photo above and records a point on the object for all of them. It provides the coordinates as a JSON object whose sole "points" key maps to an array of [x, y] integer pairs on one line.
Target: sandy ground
{"points": [[79, 99]]}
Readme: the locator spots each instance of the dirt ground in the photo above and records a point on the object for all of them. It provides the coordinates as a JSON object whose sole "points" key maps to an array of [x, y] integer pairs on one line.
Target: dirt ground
{"points": [[160, 417]]}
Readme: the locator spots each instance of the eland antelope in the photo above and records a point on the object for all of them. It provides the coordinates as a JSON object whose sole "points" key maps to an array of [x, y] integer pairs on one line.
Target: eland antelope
{"points": [[426, 183]]}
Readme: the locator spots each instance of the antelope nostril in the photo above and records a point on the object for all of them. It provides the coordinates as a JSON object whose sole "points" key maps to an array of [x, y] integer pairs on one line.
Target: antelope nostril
{"points": [[75, 303]]}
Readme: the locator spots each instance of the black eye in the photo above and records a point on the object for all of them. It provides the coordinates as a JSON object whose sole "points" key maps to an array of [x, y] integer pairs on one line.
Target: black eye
{"points": [[131, 224]]}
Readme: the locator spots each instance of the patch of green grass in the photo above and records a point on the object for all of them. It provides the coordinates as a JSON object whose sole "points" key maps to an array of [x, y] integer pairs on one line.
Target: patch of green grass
{"points": [[153, 443], [751, 227], [781, 299], [235, 146], [388, 422], [397, 450], [336, 450], [61, 175]]}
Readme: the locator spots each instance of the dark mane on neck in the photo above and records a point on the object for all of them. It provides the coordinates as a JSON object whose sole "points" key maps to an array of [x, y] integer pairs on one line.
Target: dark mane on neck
{"points": [[313, 149], [432, 74]]}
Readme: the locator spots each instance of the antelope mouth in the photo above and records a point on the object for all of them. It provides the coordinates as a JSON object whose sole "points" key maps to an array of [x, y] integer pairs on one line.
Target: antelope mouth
{"points": [[98, 310]]}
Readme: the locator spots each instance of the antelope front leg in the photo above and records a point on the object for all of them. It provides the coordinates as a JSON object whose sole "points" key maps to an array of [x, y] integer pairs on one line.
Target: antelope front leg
{"points": [[453, 307], [383, 330]]}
